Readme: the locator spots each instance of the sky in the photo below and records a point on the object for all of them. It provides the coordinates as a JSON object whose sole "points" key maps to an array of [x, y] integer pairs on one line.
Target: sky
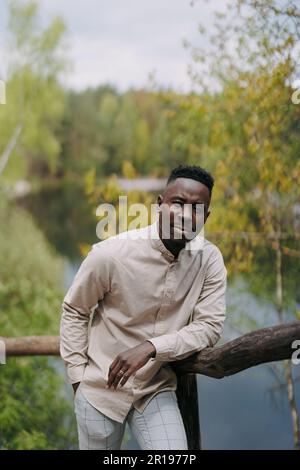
{"points": [[121, 42]]}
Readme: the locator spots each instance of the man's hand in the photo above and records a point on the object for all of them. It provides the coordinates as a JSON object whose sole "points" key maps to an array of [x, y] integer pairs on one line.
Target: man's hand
{"points": [[129, 362], [75, 386]]}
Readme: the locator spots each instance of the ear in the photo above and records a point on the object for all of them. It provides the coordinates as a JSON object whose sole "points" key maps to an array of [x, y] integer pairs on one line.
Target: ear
{"points": [[207, 215]]}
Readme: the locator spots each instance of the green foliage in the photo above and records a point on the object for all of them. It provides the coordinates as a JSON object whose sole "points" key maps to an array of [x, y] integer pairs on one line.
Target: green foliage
{"points": [[35, 99], [102, 129], [34, 413], [30, 275], [243, 127]]}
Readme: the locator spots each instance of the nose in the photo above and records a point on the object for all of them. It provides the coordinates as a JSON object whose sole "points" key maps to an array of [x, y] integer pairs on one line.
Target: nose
{"points": [[183, 217]]}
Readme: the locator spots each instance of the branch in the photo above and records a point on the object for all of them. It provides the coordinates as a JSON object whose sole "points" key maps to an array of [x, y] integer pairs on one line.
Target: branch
{"points": [[258, 347], [32, 346], [10, 147]]}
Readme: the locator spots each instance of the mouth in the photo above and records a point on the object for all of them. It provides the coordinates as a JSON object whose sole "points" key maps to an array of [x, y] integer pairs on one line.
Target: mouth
{"points": [[182, 233]]}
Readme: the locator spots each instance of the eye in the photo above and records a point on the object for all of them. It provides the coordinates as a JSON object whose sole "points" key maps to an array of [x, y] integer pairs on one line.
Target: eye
{"points": [[198, 209]]}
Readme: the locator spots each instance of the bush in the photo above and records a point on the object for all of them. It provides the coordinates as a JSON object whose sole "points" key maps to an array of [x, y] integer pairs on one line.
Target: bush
{"points": [[35, 412]]}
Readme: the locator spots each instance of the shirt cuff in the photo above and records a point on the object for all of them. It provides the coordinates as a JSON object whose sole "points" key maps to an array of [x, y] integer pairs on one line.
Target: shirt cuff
{"points": [[75, 373], [163, 350]]}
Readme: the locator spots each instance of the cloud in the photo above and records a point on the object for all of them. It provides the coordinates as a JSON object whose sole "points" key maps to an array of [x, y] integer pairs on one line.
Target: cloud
{"points": [[121, 42]]}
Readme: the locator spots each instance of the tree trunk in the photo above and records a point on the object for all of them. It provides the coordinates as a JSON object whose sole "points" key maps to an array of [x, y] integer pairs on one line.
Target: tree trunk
{"points": [[292, 403], [287, 366], [188, 404], [258, 347], [10, 147]]}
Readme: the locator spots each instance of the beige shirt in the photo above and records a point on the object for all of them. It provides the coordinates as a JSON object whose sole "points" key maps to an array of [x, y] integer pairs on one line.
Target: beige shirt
{"points": [[128, 290]]}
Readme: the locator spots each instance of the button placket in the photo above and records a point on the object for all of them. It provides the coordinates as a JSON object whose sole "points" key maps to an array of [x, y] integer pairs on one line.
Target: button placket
{"points": [[170, 282], [167, 298]]}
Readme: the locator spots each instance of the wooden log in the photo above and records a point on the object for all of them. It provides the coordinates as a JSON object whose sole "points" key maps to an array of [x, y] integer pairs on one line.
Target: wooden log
{"points": [[258, 347], [187, 395], [31, 346]]}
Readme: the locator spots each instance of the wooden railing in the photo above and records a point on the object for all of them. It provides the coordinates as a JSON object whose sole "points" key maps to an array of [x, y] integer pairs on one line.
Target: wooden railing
{"points": [[258, 347]]}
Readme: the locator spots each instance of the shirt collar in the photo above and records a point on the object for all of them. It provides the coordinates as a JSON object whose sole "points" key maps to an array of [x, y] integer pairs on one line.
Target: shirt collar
{"points": [[157, 243]]}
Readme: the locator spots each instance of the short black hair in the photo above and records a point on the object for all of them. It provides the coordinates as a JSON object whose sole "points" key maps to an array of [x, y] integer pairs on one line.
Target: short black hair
{"points": [[193, 172]]}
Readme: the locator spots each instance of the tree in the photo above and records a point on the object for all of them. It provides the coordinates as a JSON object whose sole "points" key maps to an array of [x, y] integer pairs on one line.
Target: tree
{"points": [[35, 413], [35, 100], [248, 138]]}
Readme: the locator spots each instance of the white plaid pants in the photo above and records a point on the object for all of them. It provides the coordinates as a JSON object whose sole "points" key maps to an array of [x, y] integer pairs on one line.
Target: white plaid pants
{"points": [[159, 427]]}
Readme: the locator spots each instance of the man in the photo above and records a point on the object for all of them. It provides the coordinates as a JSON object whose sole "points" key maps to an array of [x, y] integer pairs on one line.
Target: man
{"points": [[136, 304]]}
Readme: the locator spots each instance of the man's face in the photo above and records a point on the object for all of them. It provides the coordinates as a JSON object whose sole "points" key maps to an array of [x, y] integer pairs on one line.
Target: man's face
{"points": [[184, 210]]}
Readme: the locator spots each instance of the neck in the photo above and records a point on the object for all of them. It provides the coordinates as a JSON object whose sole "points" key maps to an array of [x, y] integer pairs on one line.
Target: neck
{"points": [[174, 249]]}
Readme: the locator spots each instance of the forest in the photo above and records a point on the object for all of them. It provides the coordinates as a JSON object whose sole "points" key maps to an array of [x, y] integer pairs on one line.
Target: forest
{"points": [[63, 152]]}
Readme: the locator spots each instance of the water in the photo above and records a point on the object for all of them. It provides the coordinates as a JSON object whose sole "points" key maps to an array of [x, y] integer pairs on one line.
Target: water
{"points": [[239, 412]]}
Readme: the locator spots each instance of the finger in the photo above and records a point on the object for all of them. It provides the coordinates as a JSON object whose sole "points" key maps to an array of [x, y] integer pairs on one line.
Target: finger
{"points": [[126, 376], [113, 364], [118, 377], [112, 374], [131, 371]]}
